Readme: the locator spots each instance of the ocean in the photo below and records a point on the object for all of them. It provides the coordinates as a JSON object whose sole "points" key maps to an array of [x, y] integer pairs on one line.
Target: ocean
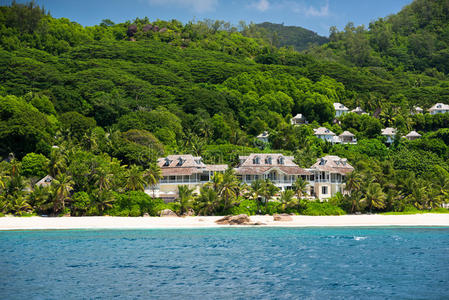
{"points": [[230, 263]]}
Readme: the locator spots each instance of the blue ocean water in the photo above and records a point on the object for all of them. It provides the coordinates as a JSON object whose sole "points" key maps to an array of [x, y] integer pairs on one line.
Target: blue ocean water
{"points": [[241, 263]]}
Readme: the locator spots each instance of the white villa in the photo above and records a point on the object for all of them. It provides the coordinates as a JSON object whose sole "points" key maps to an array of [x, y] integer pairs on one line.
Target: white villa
{"points": [[182, 170], [279, 169], [329, 176], [299, 119], [340, 109], [412, 135], [325, 178], [389, 133], [325, 134], [347, 138], [439, 108], [358, 110], [263, 137]]}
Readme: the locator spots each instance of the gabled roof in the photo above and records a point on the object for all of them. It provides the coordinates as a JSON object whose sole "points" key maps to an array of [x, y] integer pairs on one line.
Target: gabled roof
{"points": [[439, 106], [185, 164], [323, 131], [358, 110], [333, 163], [298, 117], [417, 108], [346, 134], [412, 134], [46, 181], [339, 106], [264, 134], [389, 131], [266, 162]]}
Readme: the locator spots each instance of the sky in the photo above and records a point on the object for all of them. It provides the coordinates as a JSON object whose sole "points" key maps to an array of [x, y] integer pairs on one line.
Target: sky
{"points": [[316, 15]]}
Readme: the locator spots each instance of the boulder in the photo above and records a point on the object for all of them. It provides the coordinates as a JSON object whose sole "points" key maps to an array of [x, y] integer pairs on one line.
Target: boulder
{"points": [[167, 213], [146, 215], [190, 212], [234, 220], [282, 218]]}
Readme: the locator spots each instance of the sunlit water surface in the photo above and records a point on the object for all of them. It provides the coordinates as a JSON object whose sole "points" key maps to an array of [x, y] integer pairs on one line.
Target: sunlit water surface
{"points": [[246, 263]]}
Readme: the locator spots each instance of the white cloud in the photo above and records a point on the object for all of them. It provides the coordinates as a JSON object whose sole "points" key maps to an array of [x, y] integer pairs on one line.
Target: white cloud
{"points": [[306, 10], [323, 11], [199, 6], [261, 5]]}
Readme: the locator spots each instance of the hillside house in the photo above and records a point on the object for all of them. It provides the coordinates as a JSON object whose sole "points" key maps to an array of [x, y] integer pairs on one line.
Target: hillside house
{"points": [[340, 109], [439, 108]]}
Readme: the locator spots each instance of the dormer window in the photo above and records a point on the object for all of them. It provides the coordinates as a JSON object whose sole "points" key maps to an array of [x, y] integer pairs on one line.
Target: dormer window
{"points": [[167, 162], [268, 160], [180, 162], [281, 160], [256, 160], [322, 162]]}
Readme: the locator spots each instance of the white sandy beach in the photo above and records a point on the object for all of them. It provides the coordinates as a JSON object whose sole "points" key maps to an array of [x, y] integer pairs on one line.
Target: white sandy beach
{"points": [[41, 223]]}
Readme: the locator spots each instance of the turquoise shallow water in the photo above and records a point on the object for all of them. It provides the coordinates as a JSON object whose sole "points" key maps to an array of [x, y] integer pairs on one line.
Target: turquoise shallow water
{"points": [[246, 263]]}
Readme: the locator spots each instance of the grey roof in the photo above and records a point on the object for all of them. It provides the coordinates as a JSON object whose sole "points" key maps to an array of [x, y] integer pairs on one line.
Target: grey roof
{"points": [[267, 162], [46, 181], [264, 134], [413, 134], [323, 131], [333, 163], [389, 131], [298, 117], [347, 133], [339, 106], [357, 110], [185, 164], [439, 106], [417, 108]]}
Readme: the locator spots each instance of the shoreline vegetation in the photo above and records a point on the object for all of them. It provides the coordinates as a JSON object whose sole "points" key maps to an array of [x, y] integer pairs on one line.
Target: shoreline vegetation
{"points": [[106, 222], [87, 111]]}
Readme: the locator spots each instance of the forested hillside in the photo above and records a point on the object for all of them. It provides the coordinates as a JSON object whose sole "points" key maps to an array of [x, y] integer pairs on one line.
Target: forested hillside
{"points": [[284, 36], [96, 106]]}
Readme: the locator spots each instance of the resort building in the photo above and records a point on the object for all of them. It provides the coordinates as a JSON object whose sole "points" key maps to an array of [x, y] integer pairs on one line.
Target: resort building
{"points": [[417, 110], [329, 176], [412, 135], [439, 108], [389, 133], [325, 134], [340, 109], [263, 137], [299, 119], [279, 169], [358, 110], [182, 170], [347, 138]]}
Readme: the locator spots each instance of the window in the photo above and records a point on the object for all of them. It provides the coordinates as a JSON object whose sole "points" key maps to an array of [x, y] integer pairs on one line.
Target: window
{"points": [[324, 190], [256, 160], [248, 177], [167, 162], [281, 160], [180, 161], [268, 160]]}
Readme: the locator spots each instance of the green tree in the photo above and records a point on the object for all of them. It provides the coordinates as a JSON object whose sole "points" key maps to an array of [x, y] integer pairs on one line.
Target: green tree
{"points": [[184, 197]]}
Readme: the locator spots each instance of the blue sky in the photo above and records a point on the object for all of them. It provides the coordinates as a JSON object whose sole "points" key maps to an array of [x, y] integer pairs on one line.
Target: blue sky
{"points": [[316, 15]]}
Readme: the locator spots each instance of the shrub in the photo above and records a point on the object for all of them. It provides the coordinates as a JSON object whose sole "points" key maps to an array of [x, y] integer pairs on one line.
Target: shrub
{"points": [[322, 209]]}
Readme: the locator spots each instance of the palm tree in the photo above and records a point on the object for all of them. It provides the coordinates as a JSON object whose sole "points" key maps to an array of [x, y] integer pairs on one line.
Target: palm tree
{"points": [[286, 198], [256, 190], [152, 175], [300, 187], [57, 163], [62, 186], [40, 198], [268, 191], [207, 201], [374, 196], [229, 188], [134, 180], [104, 200], [184, 197], [102, 177], [353, 186], [18, 204]]}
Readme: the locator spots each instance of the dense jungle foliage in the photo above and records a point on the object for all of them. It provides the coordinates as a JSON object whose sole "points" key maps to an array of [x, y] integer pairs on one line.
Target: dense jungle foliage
{"points": [[94, 107]]}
